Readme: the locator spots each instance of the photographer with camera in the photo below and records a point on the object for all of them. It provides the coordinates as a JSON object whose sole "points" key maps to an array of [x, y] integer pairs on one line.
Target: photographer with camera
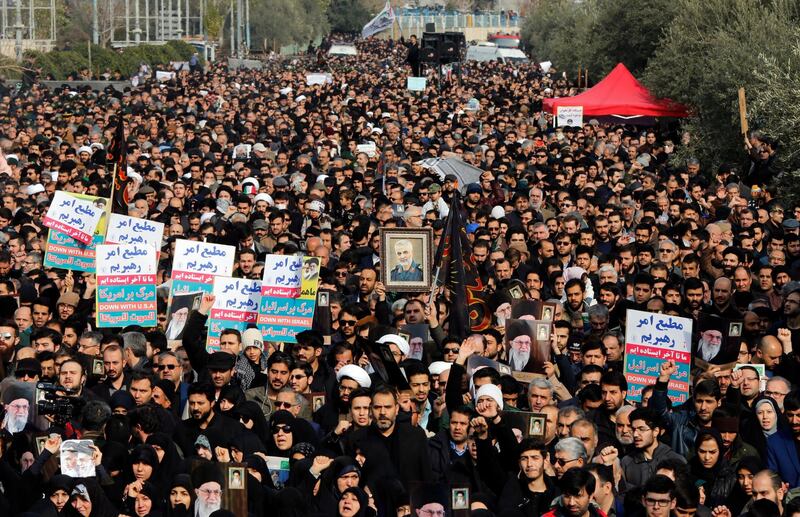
{"points": [[61, 404], [72, 376]]}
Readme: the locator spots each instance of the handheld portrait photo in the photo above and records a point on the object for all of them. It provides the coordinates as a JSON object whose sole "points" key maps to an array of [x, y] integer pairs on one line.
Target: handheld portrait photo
{"points": [[406, 259]]}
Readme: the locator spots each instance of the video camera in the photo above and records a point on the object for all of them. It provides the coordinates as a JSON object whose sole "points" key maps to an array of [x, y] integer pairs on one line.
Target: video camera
{"points": [[55, 400]]}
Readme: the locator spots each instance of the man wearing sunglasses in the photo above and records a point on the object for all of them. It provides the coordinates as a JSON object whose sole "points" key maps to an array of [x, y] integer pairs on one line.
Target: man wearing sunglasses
{"points": [[9, 340], [169, 369]]}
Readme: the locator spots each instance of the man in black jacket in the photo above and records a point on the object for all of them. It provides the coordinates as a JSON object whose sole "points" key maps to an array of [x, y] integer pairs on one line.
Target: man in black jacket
{"points": [[451, 461], [398, 449], [531, 492], [217, 428], [413, 55]]}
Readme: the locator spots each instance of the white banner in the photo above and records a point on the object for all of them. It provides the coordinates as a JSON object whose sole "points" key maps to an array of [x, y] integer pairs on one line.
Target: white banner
{"points": [[570, 116], [382, 21]]}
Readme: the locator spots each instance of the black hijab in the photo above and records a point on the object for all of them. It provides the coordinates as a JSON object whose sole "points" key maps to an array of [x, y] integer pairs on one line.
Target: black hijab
{"points": [[171, 464]]}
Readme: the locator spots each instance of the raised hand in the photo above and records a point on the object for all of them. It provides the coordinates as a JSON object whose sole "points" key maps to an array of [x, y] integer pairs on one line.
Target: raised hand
{"points": [[206, 303], [667, 370]]}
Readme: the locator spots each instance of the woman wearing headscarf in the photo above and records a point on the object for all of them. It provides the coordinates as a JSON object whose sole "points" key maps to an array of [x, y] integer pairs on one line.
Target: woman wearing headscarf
{"points": [[252, 418], [144, 466], [116, 460], [169, 462], [355, 503], [341, 474], [287, 431], [142, 500], [261, 491], [765, 420], [710, 468], [390, 497], [180, 499], [16, 474], [56, 496], [742, 491], [781, 453], [230, 397], [245, 444], [87, 499]]}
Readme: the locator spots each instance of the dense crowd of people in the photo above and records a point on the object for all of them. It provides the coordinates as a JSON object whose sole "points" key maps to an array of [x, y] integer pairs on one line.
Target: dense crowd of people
{"points": [[596, 220]]}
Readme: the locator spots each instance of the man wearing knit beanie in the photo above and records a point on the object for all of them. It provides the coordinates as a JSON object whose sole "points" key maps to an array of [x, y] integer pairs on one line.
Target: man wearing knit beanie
{"points": [[733, 447]]}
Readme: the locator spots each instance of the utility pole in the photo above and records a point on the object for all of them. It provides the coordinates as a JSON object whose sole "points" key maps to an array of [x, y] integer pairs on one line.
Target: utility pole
{"points": [[238, 28], [247, 24], [127, 22], [95, 27], [178, 23], [18, 32], [137, 31]]}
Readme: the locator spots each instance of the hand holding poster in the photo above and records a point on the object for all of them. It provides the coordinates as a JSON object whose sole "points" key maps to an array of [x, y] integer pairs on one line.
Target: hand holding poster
{"points": [[194, 267], [73, 216], [236, 302], [288, 296], [65, 252], [126, 285], [652, 339], [62, 251], [133, 230]]}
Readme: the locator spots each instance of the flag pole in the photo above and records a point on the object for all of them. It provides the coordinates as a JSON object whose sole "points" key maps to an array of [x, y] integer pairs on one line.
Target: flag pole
{"points": [[434, 285]]}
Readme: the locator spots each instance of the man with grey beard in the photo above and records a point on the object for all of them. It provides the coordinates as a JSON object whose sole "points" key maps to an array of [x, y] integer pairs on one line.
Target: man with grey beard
{"points": [[209, 499], [208, 480], [624, 431], [16, 415], [17, 398]]}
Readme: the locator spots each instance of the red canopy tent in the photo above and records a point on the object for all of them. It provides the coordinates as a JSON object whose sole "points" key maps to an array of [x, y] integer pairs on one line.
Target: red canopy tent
{"points": [[619, 94]]}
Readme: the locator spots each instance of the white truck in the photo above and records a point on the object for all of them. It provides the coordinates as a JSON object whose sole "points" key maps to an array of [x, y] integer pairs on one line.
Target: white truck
{"points": [[486, 51]]}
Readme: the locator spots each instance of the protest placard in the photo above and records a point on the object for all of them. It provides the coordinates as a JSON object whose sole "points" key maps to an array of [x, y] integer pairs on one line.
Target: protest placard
{"points": [[74, 216], [288, 296], [651, 339], [62, 251], [370, 149], [569, 116], [133, 230], [194, 267], [236, 303], [319, 78], [416, 84], [65, 252], [126, 285]]}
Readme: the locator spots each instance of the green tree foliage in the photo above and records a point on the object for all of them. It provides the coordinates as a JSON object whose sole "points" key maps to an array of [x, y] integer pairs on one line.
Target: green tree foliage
{"points": [[283, 22], [214, 19], [61, 63], [561, 31], [707, 53], [629, 32], [349, 15], [597, 34], [696, 53], [774, 109]]}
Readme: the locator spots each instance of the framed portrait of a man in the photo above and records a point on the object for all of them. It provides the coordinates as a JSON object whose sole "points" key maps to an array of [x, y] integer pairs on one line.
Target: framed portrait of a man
{"points": [[181, 305], [527, 344], [713, 344], [406, 259]]}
